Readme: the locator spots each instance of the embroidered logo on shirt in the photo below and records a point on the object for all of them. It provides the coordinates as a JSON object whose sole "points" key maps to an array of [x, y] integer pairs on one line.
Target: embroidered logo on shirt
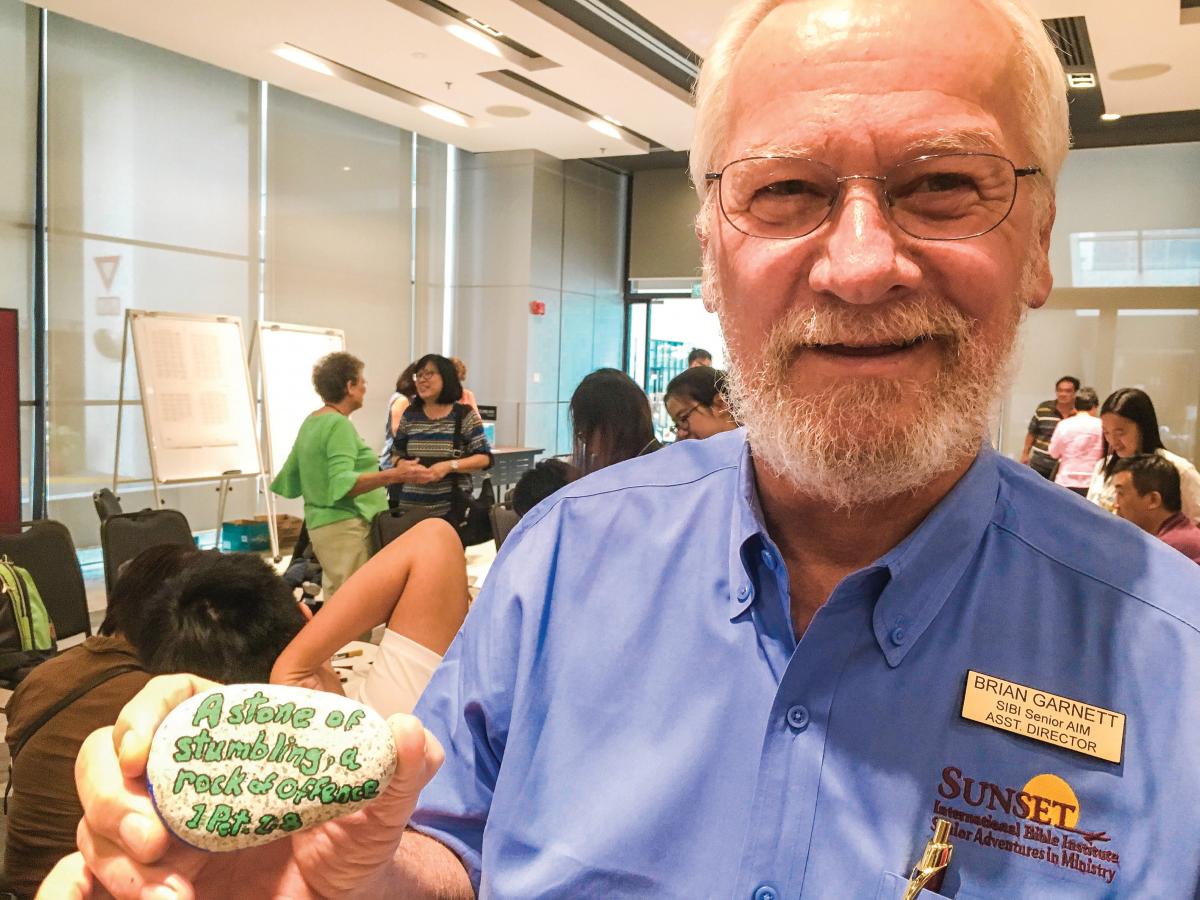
{"points": [[1041, 821], [1058, 721]]}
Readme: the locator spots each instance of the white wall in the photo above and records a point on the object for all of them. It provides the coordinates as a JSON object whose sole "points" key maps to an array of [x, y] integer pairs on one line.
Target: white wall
{"points": [[1124, 188]]}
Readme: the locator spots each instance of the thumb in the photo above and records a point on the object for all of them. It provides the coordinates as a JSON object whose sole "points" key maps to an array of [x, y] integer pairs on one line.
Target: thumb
{"points": [[418, 757]]}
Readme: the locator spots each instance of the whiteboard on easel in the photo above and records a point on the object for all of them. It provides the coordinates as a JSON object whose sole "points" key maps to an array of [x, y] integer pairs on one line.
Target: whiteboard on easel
{"points": [[286, 355], [196, 396]]}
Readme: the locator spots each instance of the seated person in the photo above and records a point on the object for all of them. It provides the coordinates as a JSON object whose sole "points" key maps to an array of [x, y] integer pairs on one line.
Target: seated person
{"points": [[1147, 493], [417, 585], [44, 808], [173, 609], [538, 483], [696, 405]]}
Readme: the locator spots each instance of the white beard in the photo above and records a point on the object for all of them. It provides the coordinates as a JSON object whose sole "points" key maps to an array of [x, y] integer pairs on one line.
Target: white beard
{"points": [[844, 444]]}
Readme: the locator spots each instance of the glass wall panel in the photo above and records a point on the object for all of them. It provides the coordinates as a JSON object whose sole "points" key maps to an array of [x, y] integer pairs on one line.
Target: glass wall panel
{"points": [[339, 225], [152, 175], [18, 155], [1158, 350], [1053, 343]]}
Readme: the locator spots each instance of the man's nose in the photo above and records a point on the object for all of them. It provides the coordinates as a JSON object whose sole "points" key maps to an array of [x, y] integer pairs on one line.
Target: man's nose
{"points": [[862, 260]]}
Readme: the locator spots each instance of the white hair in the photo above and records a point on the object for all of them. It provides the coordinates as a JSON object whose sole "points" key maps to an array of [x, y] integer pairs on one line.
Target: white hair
{"points": [[1044, 106]]}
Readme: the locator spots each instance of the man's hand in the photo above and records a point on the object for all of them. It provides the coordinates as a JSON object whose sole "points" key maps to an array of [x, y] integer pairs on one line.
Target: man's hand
{"points": [[128, 851], [1024, 459]]}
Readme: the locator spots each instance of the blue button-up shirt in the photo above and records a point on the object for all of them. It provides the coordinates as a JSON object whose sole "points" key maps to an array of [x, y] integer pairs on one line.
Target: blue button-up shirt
{"points": [[627, 711]]}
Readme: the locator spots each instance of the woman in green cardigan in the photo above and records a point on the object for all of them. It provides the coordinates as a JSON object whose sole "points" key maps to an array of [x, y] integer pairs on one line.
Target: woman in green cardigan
{"points": [[337, 474]]}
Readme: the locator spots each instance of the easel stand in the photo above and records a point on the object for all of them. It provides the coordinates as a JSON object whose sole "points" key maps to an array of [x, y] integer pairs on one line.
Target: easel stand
{"points": [[193, 453]]}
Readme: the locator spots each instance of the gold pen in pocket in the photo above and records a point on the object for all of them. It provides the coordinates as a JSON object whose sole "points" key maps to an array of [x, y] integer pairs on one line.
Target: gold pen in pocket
{"points": [[927, 873]]}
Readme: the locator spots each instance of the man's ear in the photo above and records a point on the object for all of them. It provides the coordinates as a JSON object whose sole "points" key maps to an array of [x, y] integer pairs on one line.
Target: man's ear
{"points": [[707, 273], [1154, 500], [1044, 279]]}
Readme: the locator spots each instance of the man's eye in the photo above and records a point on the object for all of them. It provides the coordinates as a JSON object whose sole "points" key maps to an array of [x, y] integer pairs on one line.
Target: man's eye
{"points": [[790, 187], [937, 183]]}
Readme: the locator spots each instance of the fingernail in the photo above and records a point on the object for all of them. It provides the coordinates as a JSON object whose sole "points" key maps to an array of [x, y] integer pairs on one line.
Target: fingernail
{"points": [[159, 892], [135, 831]]}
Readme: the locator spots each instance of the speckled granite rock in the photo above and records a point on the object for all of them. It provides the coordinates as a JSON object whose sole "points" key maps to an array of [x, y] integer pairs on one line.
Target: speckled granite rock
{"points": [[247, 764]]}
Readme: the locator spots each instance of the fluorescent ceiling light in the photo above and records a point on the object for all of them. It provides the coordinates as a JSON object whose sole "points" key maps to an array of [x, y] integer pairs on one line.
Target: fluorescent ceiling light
{"points": [[475, 38], [484, 26], [302, 58], [1109, 117], [605, 128], [446, 115]]}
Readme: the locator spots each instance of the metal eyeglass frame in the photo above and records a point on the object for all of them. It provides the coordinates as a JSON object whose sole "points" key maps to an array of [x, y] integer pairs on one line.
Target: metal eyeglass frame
{"points": [[881, 180]]}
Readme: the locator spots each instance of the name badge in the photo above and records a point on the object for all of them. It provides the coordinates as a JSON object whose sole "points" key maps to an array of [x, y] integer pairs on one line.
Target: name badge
{"points": [[1058, 721]]}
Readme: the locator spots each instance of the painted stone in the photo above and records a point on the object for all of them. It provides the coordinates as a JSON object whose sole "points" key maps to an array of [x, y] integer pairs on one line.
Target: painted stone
{"points": [[246, 764]]}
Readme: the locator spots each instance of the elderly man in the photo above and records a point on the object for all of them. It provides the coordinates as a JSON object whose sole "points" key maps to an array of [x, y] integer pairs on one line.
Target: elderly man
{"points": [[760, 665]]}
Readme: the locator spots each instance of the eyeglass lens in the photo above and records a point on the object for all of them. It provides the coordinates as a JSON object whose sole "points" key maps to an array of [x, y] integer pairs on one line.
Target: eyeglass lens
{"points": [[944, 197]]}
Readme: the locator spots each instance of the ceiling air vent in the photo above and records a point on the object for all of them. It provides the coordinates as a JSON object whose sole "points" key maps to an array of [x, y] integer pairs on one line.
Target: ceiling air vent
{"points": [[1070, 39], [479, 34]]}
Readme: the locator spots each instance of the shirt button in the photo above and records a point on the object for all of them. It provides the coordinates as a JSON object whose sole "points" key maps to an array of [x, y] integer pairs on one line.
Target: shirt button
{"points": [[766, 892], [743, 592], [898, 635], [797, 717], [769, 560]]}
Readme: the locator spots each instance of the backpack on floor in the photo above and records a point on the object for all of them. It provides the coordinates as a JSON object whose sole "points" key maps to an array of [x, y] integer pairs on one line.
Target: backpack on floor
{"points": [[26, 633]]}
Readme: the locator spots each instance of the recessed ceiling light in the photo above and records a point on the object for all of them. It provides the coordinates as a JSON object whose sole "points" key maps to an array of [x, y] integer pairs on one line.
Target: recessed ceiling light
{"points": [[446, 115], [303, 58], [605, 128], [1109, 117], [1138, 73], [476, 39], [345, 168]]}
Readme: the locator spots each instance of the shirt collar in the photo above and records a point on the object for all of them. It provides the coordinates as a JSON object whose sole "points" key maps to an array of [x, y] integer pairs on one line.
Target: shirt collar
{"points": [[747, 534], [922, 569]]}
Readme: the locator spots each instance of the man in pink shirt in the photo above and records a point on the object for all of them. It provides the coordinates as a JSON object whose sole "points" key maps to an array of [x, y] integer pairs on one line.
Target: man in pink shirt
{"points": [[1147, 494], [1078, 444]]}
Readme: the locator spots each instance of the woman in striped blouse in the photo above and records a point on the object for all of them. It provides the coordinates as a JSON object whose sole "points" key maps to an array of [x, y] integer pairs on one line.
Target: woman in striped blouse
{"points": [[445, 435]]}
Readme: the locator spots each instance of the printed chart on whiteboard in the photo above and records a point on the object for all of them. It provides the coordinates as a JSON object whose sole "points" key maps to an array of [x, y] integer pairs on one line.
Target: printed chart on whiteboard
{"points": [[200, 418]]}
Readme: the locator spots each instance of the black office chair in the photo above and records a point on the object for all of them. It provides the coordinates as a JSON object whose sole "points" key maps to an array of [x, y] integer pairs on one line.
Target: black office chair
{"points": [[107, 504], [46, 550], [124, 536], [504, 520]]}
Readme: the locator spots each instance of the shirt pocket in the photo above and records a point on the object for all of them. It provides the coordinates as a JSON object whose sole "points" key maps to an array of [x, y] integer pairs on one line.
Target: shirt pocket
{"points": [[892, 887]]}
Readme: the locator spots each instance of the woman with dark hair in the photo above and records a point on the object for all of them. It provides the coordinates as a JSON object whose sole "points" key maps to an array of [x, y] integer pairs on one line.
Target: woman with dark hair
{"points": [[696, 405], [443, 438], [397, 404], [45, 809], [1130, 428], [612, 422], [336, 474]]}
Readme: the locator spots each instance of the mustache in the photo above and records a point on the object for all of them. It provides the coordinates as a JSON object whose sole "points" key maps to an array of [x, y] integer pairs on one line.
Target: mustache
{"points": [[830, 322]]}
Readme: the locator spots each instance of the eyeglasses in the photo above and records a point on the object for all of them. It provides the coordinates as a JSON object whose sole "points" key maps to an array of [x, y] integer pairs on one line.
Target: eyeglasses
{"points": [[426, 375], [941, 197], [681, 422]]}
